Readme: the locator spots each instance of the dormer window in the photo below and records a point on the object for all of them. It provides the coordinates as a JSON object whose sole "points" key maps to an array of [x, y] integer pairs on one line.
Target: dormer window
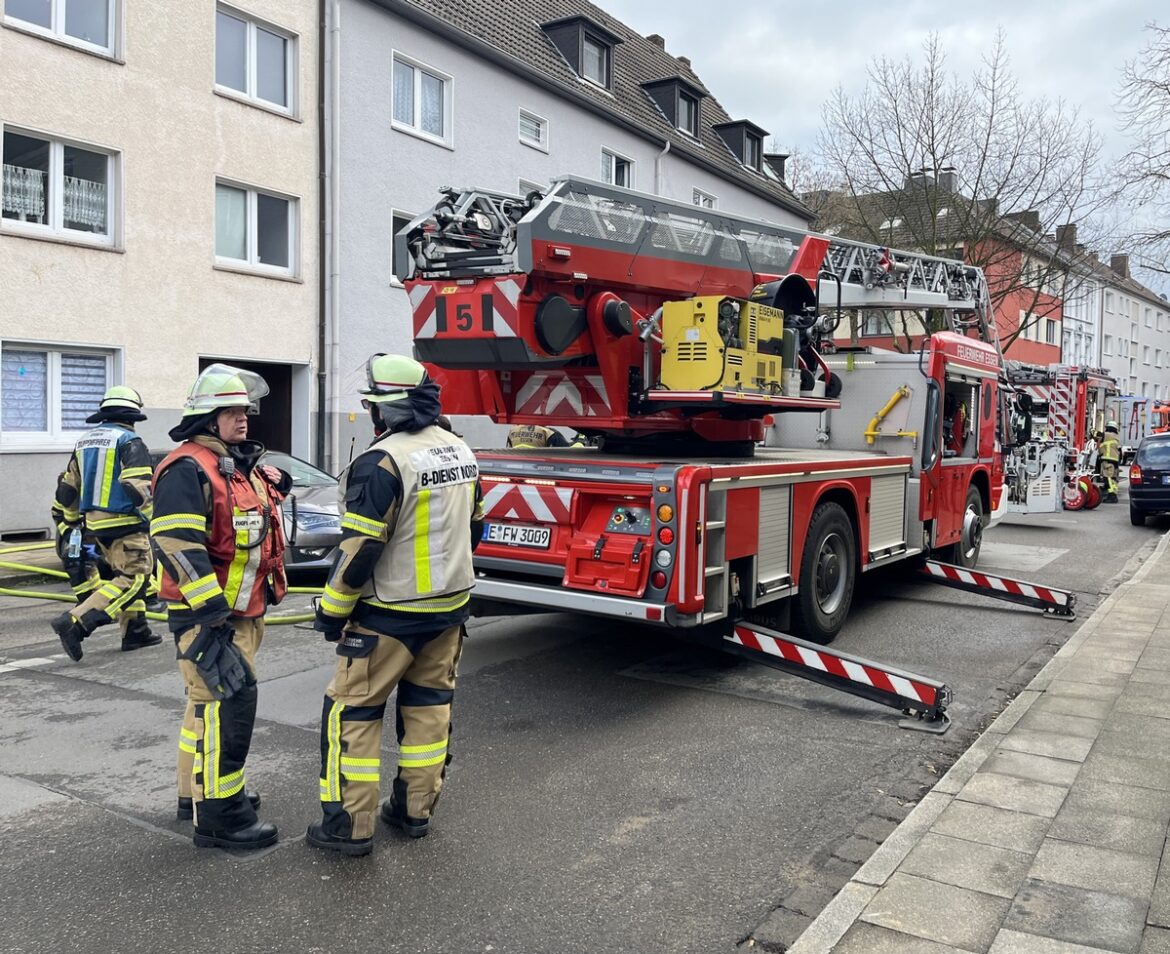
{"points": [[746, 142], [586, 46], [679, 101]]}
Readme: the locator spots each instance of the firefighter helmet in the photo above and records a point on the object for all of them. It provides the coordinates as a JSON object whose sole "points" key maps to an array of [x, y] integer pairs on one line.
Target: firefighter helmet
{"points": [[391, 377], [1112, 426], [221, 385], [120, 396]]}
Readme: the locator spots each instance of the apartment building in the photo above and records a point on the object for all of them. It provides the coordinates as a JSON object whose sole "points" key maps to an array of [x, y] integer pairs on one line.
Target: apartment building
{"points": [[159, 212], [1135, 333]]}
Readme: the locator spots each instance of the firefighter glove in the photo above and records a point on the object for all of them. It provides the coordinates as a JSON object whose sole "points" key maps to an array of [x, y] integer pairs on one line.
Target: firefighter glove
{"points": [[329, 626], [218, 662]]}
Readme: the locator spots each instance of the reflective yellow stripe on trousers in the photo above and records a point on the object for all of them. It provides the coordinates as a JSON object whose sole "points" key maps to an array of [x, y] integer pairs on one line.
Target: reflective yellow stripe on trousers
{"points": [[331, 783], [420, 756]]}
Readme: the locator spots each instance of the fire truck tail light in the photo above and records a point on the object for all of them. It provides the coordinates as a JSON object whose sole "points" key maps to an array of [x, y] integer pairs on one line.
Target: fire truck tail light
{"points": [[658, 579], [665, 513], [666, 536], [662, 558], [653, 612]]}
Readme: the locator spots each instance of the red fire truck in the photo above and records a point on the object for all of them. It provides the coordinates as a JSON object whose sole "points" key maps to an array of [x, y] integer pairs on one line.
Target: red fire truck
{"points": [[741, 471]]}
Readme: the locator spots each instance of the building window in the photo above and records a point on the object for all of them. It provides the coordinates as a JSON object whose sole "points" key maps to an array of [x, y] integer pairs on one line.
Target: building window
{"points": [[399, 221], [688, 114], [1108, 344], [1146, 354], [533, 130], [595, 60], [422, 100], [1050, 331], [617, 170], [704, 200], [57, 188], [255, 60], [46, 393], [88, 24], [875, 324], [1109, 302], [753, 151], [255, 229]]}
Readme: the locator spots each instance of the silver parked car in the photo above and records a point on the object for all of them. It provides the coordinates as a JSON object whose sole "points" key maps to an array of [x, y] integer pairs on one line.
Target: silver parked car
{"points": [[312, 524]]}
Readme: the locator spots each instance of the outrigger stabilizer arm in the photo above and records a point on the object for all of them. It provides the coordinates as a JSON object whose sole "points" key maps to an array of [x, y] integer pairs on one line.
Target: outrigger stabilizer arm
{"points": [[925, 700], [1054, 602]]}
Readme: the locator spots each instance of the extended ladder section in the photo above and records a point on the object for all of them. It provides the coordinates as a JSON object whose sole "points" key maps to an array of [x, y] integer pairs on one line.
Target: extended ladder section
{"points": [[1054, 602], [906, 691]]}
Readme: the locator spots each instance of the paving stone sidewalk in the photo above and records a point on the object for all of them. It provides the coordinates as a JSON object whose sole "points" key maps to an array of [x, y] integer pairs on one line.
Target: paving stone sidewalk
{"points": [[1048, 835]]}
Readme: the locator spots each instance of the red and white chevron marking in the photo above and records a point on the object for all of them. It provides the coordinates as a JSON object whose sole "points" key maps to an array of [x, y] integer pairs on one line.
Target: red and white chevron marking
{"points": [[536, 502], [867, 674], [563, 394], [996, 584], [504, 295]]}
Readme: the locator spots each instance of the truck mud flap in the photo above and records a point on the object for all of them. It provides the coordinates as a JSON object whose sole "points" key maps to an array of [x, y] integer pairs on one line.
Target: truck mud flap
{"points": [[925, 700], [1054, 602]]}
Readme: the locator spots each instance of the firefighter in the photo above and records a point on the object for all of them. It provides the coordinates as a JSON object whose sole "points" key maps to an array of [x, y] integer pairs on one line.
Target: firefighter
{"points": [[217, 530], [1109, 453], [105, 493], [395, 604], [954, 426]]}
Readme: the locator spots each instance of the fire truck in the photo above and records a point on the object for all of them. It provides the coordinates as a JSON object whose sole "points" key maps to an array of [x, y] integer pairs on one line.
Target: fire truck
{"points": [[1057, 409], [742, 475]]}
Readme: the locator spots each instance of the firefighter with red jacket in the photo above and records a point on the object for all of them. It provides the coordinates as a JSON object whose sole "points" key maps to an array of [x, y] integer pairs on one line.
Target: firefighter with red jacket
{"points": [[217, 531], [105, 493], [395, 604]]}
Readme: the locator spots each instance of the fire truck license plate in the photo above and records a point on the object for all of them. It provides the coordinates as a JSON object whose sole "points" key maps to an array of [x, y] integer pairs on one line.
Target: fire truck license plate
{"points": [[518, 536]]}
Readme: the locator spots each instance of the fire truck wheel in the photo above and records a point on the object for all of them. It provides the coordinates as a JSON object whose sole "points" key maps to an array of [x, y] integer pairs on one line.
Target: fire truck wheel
{"points": [[966, 552], [828, 571]]}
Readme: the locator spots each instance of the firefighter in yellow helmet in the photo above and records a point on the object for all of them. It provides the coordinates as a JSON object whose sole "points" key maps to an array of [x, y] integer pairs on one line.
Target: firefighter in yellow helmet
{"points": [[395, 604], [218, 533], [105, 492], [1109, 454]]}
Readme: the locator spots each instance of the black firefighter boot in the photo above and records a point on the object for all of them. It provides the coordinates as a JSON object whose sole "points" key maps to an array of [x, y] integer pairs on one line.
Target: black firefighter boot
{"points": [[394, 813], [69, 628], [334, 830], [139, 636], [186, 809]]}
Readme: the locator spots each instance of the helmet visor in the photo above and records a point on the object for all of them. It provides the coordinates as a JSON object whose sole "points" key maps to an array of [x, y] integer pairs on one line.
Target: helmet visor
{"points": [[221, 385]]}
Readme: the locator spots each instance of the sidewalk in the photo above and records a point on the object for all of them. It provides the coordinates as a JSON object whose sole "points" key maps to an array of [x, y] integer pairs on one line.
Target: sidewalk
{"points": [[1047, 836]]}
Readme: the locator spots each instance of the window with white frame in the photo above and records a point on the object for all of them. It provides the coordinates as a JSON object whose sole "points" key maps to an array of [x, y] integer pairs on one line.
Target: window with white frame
{"points": [[1108, 344], [255, 229], [704, 200], [88, 24], [595, 60], [753, 147], [422, 100], [399, 221], [47, 392], [533, 130], [53, 187], [617, 170], [688, 114], [255, 60], [1146, 354], [1051, 331], [876, 323]]}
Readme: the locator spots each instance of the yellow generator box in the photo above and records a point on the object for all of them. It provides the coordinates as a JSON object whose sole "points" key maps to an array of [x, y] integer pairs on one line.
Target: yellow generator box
{"points": [[713, 343]]}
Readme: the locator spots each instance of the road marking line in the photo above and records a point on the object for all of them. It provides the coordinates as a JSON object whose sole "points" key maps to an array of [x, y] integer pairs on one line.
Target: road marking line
{"points": [[33, 663]]}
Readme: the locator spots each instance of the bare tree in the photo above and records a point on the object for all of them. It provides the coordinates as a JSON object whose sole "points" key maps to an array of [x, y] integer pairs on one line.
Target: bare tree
{"points": [[1145, 107], [967, 168]]}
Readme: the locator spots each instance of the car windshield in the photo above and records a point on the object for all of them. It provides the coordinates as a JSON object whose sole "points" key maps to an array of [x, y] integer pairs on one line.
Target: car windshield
{"points": [[303, 473], [1154, 454]]}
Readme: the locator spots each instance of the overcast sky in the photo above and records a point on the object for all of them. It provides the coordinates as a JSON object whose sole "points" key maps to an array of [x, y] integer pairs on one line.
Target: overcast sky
{"points": [[776, 62]]}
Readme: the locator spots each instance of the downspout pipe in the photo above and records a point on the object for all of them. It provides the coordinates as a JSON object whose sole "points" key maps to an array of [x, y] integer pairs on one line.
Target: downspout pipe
{"points": [[658, 167], [322, 232]]}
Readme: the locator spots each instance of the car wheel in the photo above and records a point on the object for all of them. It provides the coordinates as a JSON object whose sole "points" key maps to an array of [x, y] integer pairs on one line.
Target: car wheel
{"points": [[828, 572], [1136, 517]]}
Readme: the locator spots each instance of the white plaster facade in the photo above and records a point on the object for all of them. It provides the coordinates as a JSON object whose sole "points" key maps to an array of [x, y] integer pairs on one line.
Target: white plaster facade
{"points": [[1135, 339], [153, 300]]}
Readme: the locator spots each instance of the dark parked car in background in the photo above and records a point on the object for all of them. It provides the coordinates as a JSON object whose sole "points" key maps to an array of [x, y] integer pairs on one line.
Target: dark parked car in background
{"points": [[312, 524], [1149, 479]]}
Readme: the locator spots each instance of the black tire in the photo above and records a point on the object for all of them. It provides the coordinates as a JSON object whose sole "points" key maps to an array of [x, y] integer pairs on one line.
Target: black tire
{"points": [[1136, 517], [965, 553], [828, 574]]}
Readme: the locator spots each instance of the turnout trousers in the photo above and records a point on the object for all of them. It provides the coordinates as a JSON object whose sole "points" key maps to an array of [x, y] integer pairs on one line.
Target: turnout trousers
{"points": [[1109, 472], [215, 737], [121, 598], [369, 667]]}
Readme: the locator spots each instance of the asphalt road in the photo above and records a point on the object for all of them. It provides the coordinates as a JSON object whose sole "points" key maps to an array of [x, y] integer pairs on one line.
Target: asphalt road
{"points": [[612, 790]]}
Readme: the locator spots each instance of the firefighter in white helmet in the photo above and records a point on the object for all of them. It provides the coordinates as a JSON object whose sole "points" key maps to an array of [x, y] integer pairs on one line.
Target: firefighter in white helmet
{"points": [[217, 530], [395, 604], [105, 493], [1109, 453]]}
